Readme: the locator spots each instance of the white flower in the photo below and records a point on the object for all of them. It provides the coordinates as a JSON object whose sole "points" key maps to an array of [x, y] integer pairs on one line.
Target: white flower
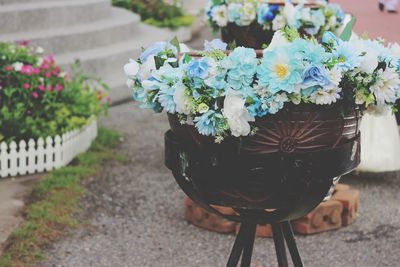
{"points": [[388, 82], [131, 68], [236, 113], [332, 23], [289, 12], [219, 15], [183, 102], [147, 68], [62, 74], [18, 66], [39, 50], [335, 76], [369, 60], [278, 23], [248, 14], [325, 97], [130, 83], [394, 50], [277, 41]]}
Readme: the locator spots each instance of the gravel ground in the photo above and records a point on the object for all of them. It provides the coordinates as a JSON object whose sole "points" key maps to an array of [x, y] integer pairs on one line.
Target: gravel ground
{"points": [[136, 216]]}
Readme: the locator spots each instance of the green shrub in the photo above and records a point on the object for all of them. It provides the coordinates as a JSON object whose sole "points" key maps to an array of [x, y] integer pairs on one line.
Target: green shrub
{"points": [[38, 99]]}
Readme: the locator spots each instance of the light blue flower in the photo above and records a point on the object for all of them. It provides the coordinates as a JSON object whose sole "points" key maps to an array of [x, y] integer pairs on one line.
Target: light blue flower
{"points": [[336, 10], [234, 13], [244, 66], [198, 68], [168, 74], [315, 76], [156, 48], [215, 44], [310, 51], [318, 20], [206, 124], [266, 13], [280, 70], [330, 37], [347, 59], [166, 99]]}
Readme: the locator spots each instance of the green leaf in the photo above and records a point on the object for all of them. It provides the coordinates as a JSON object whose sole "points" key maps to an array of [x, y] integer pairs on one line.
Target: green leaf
{"points": [[159, 61], [175, 43], [348, 30], [186, 58]]}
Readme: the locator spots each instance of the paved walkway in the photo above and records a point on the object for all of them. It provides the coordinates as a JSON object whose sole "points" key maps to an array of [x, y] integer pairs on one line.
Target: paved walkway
{"points": [[138, 216]]}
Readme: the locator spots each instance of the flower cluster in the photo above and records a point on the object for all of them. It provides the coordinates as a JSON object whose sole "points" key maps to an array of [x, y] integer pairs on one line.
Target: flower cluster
{"points": [[37, 98], [222, 92], [312, 21]]}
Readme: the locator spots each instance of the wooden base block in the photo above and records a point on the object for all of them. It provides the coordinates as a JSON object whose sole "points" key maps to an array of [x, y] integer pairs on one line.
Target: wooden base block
{"points": [[338, 212]]}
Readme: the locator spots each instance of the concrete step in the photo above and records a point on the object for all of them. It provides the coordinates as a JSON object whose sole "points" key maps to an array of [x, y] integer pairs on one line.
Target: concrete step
{"points": [[13, 2], [107, 62], [120, 26], [51, 14]]}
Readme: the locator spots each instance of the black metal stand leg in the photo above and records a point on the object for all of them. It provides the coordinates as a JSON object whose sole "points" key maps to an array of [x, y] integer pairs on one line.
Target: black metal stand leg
{"points": [[291, 243], [279, 245], [243, 244]]}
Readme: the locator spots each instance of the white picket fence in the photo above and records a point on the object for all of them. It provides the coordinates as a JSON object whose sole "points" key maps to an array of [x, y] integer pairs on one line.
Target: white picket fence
{"points": [[45, 154]]}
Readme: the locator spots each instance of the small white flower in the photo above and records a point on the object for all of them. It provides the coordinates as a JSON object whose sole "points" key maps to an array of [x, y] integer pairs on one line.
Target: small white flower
{"points": [[278, 23], [219, 15], [248, 14], [277, 41], [39, 50], [130, 83], [237, 114], [147, 68], [385, 88], [183, 102], [335, 76], [325, 97], [62, 74], [131, 68], [18, 66]]}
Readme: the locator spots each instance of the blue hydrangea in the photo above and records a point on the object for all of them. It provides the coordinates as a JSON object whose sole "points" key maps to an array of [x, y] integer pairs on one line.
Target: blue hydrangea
{"points": [[281, 69], [266, 13], [255, 108], [157, 48], [244, 64], [310, 51], [346, 57], [206, 124], [197, 68], [215, 44], [318, 20], [166, 99], [315, 76], [272, 104]]}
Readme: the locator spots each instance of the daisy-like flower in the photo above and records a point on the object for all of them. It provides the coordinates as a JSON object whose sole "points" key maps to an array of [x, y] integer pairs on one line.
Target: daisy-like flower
{"points": [[385, 88], [280, 70], [347, 56], [219, 14], [326, 97]]}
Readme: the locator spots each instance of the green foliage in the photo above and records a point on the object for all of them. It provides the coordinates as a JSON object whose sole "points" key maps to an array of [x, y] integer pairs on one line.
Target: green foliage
{"points": [[122, 3], [38, 99], [160, 14], [348, 30], [55, 199]]}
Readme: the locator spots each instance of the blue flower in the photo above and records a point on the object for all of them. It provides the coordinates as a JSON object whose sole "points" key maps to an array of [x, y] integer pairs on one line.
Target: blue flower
{"points": [[166, 99], [329, 37], [198, 68], [310, 51], [318, 20], [346, 56], [314, 76], [206, 124], [280, 70], [157, 48], [244, 65], [266, 13], [215, 44], [337, 11]]}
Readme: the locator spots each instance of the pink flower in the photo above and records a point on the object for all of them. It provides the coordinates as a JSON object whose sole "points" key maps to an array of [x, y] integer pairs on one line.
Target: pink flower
{"points": [[36, 71], [56, 71], [49, 88], [29, 112], [50, 59], [108, 100], [8, 68], [35, 95], [26, 86], [27, 69], [47, 74], [23, 42], [59, 87], [41, 87], [45, 65]]}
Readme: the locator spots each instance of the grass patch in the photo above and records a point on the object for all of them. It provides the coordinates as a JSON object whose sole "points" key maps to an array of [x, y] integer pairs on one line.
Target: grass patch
{"points": [[54, 200]]}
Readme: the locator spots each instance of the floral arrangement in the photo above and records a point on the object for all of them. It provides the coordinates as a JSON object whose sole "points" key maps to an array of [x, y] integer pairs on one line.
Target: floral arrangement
{"points": [[38, 99], [222, 92], [312, 21]]}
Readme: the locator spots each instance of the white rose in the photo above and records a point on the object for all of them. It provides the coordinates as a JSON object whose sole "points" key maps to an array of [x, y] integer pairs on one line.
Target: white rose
{"points": [[277, 41], [236, 113], [131, 68], [278, 23], [182, 101], [147, 68]]}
